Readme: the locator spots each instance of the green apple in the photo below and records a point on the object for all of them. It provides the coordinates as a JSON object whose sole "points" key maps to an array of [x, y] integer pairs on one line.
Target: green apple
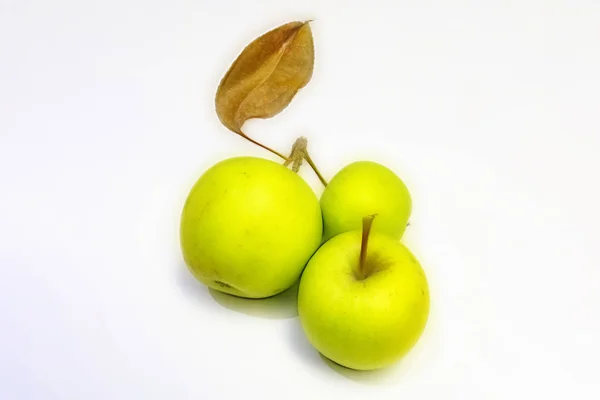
{"points": [[249, 226], [363, 309], [365, 188]]}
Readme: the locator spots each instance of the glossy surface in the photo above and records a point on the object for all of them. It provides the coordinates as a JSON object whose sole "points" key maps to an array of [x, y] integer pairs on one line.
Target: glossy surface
{"points": [[363, 324]]}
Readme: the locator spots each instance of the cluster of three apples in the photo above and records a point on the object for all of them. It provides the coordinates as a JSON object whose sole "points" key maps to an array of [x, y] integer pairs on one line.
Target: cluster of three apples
{"points": [[251, 228]]}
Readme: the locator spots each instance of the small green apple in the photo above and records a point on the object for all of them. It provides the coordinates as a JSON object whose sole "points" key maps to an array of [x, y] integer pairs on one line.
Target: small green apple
{"points": [[249, 226], [363, 309], [365, 188]]}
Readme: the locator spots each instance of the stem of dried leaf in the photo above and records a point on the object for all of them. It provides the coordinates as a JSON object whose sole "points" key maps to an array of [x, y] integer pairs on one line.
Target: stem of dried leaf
{"points": [[248, 138]]}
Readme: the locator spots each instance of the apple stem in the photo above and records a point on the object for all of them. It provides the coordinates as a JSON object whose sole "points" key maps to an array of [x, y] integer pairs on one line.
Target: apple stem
{"points": [[367, 223], [314, 167], [298, 154]]}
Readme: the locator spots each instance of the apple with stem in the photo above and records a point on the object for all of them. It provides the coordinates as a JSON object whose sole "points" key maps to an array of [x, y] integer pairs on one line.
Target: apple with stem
{"points": [[363, 299]]}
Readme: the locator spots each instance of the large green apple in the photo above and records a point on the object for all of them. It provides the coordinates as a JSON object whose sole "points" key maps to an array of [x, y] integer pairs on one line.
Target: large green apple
{"points": [[365, 188], [249, 226], [369, 320]]}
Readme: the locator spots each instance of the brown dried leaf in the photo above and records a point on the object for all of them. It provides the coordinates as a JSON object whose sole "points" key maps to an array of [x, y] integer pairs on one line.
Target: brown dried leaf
{"points": [[266, 76]]}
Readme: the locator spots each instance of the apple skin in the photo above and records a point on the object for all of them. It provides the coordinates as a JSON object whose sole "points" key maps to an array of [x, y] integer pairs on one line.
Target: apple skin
{"points": [[249, 226], [363, 324], [365, 188]]}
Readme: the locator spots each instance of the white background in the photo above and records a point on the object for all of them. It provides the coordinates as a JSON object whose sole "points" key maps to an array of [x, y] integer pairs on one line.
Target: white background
{"points": [[489, 110]]}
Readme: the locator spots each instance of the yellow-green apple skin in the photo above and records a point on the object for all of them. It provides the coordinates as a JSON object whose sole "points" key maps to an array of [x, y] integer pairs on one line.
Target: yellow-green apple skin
{"points": [[363, 324], [365, 188], [249, 226]]}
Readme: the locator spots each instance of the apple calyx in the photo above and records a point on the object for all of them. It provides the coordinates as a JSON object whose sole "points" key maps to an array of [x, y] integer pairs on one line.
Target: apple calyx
{"points": [[365, 269]]}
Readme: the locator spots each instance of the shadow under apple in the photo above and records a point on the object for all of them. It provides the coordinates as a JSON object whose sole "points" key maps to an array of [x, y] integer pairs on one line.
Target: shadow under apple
{"points": [[385, 376], [281, 306]]}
